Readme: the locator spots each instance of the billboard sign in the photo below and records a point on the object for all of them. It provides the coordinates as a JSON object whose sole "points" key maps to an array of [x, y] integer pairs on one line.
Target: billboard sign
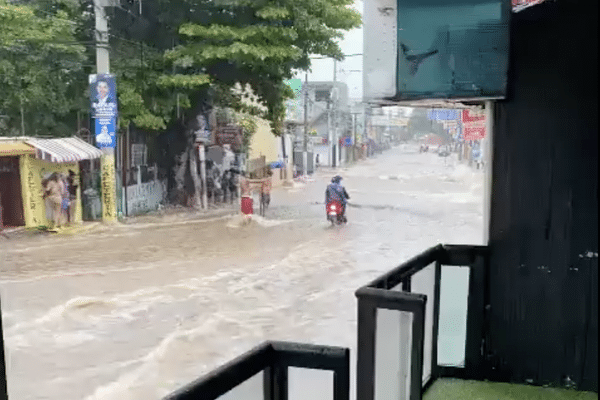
{"points": [[435, 50], [452, 50], [520, 5], [441, 114], [293, 107], [473, 124], [230, 134], [104, 110]]}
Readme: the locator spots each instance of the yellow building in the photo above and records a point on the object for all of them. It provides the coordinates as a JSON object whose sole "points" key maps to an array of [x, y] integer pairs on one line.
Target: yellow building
{"points": [[32, 159], [264, 143]]}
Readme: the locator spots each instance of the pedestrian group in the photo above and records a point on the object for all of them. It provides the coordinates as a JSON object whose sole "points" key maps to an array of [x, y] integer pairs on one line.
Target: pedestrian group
{"points": [[60, 194]]}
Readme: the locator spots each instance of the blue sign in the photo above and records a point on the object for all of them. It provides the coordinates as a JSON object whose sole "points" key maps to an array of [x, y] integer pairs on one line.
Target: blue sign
{"points": [[442, 115], [105, 132], [347, 141], [103, 97]]}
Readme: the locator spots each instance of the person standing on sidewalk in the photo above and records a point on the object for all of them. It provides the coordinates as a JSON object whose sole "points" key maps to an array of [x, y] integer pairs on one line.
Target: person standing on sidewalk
{"points": [[65, 202], [53, 192], [72, 190]]}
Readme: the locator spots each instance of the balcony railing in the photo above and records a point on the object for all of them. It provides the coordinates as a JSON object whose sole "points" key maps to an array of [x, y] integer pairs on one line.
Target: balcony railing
{"points": [[398, 325], [272, 359]]}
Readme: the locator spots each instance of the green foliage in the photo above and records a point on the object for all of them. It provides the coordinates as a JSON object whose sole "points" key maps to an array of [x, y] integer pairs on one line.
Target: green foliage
{"points": [[47, 51], [183, 81], [41, 67], [260, 44], [249, 128]]}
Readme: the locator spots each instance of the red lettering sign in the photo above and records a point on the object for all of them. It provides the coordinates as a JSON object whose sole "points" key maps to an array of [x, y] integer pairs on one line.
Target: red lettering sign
{"points": [[469, 116], [473, 125]]}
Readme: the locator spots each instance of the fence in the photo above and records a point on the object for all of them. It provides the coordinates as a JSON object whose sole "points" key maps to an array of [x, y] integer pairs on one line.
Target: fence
{"points": [[399, 325], [146, 189], [272, 360], [144, 197]]}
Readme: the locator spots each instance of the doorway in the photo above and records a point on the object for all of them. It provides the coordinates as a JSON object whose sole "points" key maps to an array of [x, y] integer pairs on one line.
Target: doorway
{"points": [[11, 198]]}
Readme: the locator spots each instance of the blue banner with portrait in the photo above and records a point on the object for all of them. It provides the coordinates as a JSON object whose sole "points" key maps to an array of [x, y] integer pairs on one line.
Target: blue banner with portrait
{"points": [[105, 129], [104, 111]]}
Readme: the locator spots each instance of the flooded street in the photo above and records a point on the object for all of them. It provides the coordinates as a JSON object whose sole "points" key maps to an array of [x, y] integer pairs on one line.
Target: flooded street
{"points": [[136, 311]]}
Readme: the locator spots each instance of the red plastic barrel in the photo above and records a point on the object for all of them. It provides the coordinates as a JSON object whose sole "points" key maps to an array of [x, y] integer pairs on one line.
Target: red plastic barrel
{"points": [[247, 207]]}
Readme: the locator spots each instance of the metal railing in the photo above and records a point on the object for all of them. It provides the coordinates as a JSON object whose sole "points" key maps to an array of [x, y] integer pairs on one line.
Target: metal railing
{"points": [[394, 326], [273, 359]]}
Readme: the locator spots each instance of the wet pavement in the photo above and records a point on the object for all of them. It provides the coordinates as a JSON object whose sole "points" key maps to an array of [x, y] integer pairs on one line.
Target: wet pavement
{"points": [[134, 311]]}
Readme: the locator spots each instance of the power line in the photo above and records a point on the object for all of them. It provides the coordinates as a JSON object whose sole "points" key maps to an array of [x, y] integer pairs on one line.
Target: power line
{"points": [[325, 57]]}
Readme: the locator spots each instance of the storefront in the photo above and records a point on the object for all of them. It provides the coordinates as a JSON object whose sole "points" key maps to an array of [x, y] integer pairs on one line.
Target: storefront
{"points": [[52, 155], [24, 162]]}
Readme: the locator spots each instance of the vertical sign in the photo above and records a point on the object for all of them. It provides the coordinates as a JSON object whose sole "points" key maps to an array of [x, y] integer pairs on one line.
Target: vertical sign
{"points": [[109, 207], [103, 96], [293, 107], [473, 124]]}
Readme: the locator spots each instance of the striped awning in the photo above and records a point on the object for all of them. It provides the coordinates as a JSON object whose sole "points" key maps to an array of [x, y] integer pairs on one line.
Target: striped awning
{"points": [[15, 148], [63, 150]]}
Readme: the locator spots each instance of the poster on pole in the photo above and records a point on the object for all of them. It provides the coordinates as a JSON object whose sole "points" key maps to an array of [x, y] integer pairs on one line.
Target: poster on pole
{"points": [[104, 111], [109, 207]]}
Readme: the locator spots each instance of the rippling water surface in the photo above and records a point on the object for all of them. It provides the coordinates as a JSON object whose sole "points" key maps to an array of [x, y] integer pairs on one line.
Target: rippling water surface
{"points": [[134, 312]]}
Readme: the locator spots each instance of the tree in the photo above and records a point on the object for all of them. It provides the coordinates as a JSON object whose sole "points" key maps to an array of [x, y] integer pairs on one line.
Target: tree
{"points": [[222, 44], [41, 68], [258, 44]]}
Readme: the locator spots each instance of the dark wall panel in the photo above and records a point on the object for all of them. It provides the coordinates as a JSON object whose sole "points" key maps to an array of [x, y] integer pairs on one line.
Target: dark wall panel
{"points": [[545, 201]]}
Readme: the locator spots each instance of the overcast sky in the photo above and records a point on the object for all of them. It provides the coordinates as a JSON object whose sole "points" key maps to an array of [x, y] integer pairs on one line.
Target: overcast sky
{"points": [[322, 70]]}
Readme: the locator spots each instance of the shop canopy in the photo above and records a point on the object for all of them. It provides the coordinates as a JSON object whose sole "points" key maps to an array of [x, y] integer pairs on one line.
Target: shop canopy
{"points": [[63, 150], [13, 148]]}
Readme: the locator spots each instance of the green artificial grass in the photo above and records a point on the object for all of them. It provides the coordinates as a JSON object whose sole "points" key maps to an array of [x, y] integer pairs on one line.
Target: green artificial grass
{"points": [[458, 389]]}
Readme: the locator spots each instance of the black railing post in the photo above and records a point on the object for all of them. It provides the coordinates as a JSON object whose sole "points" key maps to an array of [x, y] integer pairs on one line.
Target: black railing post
{"points": [[406, 284], [365, 360], [3, 386], [418, 349], [435, 371], [275, 381], [474, 356], [341, 379]]}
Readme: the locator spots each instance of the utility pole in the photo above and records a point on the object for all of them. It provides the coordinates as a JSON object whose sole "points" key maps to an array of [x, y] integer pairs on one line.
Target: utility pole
{"points": [[102, 54], [334, 144], [305, 141], [109, 209], [329, 137], [354, 125]]}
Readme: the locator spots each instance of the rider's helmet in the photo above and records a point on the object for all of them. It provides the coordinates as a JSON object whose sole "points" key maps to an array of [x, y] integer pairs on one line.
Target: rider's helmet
{"points": [[336, 179]]}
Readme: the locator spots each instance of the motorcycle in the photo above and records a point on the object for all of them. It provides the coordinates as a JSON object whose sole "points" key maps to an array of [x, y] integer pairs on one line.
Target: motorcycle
{"points": [[334, 213]]}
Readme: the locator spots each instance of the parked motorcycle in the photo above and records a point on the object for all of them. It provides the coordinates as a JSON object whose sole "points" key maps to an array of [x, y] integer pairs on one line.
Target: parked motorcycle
{"points": [[335, 213]]}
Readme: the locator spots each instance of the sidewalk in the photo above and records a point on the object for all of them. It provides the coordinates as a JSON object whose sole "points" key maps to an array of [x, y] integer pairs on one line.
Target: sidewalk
{"points": [[22, 232], [180, 213], [164, 216]]}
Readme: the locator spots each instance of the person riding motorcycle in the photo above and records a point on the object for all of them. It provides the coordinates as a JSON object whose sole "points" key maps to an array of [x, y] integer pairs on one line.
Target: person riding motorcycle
{"points": [[336, 192]]}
